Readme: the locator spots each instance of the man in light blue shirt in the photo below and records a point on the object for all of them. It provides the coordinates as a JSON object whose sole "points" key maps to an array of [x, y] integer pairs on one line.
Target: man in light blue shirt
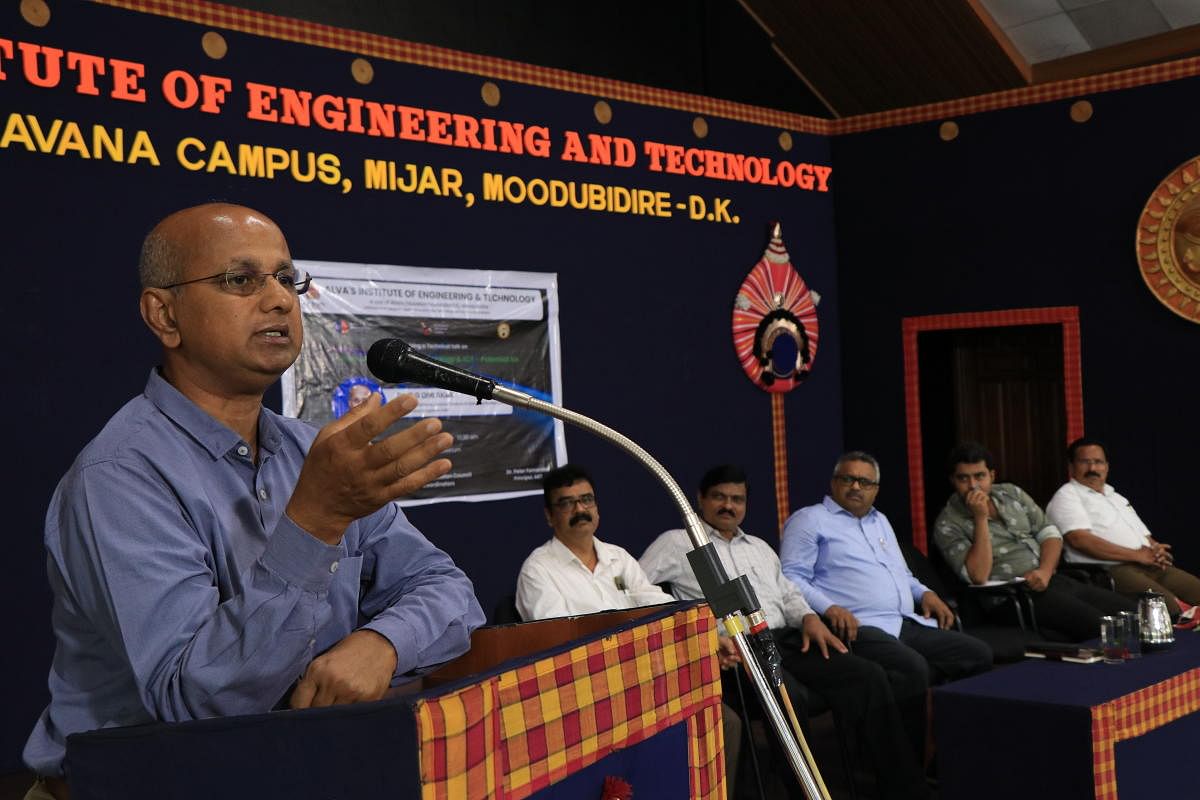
{"points": [[210, 557], [843, 555], [856, 689]]}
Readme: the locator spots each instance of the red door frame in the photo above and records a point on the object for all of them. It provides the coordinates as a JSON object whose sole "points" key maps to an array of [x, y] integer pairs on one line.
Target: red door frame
{"points": [[1067, 316]]}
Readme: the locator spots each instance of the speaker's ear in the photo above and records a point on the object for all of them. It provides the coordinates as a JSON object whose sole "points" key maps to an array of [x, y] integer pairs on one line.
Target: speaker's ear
{"points": [[158, 312]]}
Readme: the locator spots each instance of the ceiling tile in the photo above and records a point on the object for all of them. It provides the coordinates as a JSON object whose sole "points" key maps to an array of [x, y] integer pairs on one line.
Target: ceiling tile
{"points": [[1008, 13], [1071, 5], [1118, 21], [1048, 39], [1179, 13]]}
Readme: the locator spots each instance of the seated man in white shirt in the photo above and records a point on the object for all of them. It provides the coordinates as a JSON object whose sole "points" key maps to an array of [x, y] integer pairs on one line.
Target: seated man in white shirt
{"points": [[1101, 527], [574, 572]]}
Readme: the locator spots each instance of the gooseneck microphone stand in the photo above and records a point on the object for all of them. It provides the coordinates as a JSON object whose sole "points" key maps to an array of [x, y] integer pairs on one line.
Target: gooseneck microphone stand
{"points": [[732, 601]]}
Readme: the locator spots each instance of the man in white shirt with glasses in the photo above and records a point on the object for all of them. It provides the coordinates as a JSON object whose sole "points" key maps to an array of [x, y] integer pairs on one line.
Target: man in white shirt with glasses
{"points": [[1101, 527], [574, 572]]}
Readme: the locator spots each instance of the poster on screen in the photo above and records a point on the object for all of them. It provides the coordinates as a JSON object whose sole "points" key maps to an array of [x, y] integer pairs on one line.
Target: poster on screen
{"points": [[500, 324]]}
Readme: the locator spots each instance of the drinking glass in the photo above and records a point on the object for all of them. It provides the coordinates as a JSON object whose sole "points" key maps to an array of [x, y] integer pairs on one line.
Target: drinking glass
{"points": [[1112, 639], [1133, 635]]}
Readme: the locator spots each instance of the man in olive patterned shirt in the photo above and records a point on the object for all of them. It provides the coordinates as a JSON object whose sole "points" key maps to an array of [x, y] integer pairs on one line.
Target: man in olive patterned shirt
{"points": [[995, 532]]}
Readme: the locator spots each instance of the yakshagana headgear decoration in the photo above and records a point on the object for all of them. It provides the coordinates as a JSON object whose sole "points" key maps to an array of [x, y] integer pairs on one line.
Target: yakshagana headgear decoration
{"points": [[775, 322]]}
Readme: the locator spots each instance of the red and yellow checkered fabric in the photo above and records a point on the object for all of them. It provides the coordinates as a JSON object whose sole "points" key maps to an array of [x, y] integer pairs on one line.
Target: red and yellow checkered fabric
{"points": [[525, 729], [706, 752], [1133, 715], [458, 743]]}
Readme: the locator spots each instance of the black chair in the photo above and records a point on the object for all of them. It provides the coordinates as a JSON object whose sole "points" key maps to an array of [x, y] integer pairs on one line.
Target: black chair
{"points": [[978, 608], [505, 612], [1096, 574]]}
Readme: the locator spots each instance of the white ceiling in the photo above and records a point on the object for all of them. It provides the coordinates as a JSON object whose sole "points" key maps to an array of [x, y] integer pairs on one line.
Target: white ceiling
{"points": [[1046, 30]]}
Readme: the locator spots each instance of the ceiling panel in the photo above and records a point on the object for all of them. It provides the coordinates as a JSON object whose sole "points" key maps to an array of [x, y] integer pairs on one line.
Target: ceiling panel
{"points": [[1118, 21]]}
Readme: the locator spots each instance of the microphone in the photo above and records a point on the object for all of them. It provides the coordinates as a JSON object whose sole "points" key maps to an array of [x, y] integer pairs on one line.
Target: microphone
{"points": [[395, 361]]}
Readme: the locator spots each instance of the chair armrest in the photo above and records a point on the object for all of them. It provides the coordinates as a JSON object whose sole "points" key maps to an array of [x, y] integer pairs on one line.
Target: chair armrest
{"points": [[952, 604], [1018, 593]]}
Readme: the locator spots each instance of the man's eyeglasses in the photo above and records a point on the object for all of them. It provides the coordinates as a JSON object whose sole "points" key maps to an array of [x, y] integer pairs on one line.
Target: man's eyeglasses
{"points": [[850, 480], [567, 503], [245, 283]]}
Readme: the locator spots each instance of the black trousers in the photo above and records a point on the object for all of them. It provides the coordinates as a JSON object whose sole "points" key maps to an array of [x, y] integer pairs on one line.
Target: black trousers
{"points": [[860, 696], [920, 657], [1074, 608]]}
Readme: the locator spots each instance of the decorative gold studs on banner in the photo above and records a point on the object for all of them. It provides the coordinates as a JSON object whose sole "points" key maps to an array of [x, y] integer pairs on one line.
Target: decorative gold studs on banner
{"points": [[1081, 111], [362, 71], [603, 112], [700, 127], [490, 94], [785, 141], [214, 45], [948, 130], [35, 12]]}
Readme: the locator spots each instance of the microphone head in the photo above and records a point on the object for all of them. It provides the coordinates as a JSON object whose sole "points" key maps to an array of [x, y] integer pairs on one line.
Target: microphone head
{"points": [[394, 361], [384, 359]]}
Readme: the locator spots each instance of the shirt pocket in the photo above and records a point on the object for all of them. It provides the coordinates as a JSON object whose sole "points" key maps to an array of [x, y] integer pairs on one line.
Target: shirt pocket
{"points": [[759, 576], [1101, 515]]}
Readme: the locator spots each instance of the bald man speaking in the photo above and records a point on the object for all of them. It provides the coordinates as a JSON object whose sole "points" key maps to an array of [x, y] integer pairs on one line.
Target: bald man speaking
{"points": [[210, 557]]}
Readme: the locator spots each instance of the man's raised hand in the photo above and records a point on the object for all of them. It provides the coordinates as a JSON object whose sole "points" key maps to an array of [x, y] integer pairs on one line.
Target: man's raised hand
{"points": [[346, 475]]}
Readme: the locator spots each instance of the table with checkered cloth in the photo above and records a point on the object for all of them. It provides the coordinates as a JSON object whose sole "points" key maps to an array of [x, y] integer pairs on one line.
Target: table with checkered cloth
{"points": [[525, 728], [1052, 729]]}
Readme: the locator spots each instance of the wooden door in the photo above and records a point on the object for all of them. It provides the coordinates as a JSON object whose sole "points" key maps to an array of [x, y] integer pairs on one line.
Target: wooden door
{"points": [[1002, 387]]}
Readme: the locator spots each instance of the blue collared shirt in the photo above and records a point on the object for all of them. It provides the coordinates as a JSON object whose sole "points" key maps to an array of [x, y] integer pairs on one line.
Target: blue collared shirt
{"points": [[838, 559], [182, 591]]}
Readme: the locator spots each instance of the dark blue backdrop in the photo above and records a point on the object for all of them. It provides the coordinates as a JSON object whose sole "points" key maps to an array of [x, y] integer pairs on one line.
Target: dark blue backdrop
{"points": [[1025, 209], [645, 302]]}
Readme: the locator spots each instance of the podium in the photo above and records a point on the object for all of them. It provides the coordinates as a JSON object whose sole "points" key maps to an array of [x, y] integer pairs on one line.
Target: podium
{"points": [[543, 710]]}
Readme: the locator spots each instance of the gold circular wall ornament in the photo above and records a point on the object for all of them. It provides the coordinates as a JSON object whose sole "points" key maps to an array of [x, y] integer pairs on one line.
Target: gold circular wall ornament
{"points": [[700, 127], [1081, 111], [362, 71], [603, 112], [1168, 241], [785, 141], [948, 130], [214, 45], [35, 12], [490, 93]]}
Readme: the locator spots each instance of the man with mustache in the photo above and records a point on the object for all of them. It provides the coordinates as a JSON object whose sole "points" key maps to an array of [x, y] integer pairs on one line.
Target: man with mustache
{"points": [[210, 557], [1101, 527], [574, 572], [992, 531], [856, 689], [843, 555]]}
